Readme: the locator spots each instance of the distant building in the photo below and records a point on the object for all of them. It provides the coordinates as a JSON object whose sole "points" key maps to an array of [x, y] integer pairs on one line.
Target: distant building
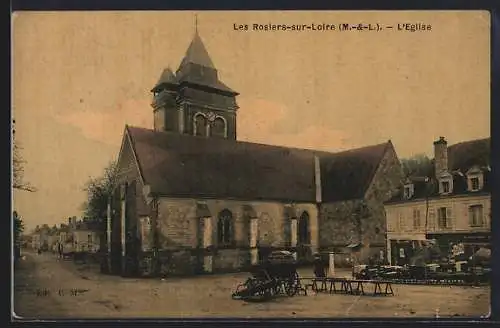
{"points": [[453, 206], [40, 237], [85, 237]]}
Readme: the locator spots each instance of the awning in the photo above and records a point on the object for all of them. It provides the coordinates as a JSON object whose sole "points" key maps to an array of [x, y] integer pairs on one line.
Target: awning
{"points": [[483, 253], [353, 245], [281, 253]]}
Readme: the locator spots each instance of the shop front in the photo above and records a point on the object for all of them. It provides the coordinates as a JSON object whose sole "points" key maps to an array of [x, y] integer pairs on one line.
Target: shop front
{"points": [[461, 244], [401, 251]]}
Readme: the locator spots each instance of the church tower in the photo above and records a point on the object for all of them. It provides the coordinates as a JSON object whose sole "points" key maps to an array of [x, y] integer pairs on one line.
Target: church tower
{"points": [[193, 100]]}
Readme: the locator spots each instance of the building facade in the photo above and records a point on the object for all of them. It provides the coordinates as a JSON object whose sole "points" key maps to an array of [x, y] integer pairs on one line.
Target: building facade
{"points": [[191, 198], [453, 207]]}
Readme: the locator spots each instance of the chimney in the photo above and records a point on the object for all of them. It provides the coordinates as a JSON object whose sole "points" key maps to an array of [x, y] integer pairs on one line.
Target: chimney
{"points": [[440, 156]]}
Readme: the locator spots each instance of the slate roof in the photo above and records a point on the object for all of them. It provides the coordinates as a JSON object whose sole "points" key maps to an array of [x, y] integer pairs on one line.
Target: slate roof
{"points": [[196, 69], [197, 54], [204, 82], [180, 165], [347, 175], [87, 225], [166, 77], [186, 166], [461, 157]]}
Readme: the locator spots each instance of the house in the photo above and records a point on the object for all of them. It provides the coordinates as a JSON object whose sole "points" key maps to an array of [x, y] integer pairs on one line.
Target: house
{"points": [[35, 241], [52, 240], [40, 237], [452, 207], [64, 232], [191, 198], [85, 236]]}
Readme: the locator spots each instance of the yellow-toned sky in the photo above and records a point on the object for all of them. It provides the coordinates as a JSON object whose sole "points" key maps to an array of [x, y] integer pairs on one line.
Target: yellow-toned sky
{"points": [[79, 77]]}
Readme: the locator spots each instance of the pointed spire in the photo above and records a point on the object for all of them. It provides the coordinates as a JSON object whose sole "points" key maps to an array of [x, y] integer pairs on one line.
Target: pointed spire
{"points": [[196, 52], [167, 77], [195, 24]]}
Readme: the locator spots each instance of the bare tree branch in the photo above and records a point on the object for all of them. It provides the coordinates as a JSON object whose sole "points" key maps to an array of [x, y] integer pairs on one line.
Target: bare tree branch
{"points": [[18, 167]]}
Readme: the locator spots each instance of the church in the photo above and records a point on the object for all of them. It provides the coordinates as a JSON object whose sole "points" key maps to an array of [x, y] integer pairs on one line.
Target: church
{"points": [[192, 199]]}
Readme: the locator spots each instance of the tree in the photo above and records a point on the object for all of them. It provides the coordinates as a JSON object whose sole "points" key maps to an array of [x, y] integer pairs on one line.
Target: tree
{"points": [[18, 165], [99, 190], [19, 184], [418, 165]]}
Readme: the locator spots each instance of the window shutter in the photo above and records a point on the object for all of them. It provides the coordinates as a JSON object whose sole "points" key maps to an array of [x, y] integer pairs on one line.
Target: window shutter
{"points": [[448, 217], [471, 216], [480, 219]]}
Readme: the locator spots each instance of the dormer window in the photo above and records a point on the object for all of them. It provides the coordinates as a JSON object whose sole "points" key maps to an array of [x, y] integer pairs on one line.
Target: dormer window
{"points": [[445, 184], [474, 179], [474, 183], [408, 190]]}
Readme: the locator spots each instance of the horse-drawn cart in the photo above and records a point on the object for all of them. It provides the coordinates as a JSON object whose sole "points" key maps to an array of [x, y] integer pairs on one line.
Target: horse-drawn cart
{"points": [[275, 276]]}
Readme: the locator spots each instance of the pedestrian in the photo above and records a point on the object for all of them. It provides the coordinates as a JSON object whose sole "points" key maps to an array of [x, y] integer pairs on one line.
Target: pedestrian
{"points": [[60, 250], [319, 267], [319, 271]]}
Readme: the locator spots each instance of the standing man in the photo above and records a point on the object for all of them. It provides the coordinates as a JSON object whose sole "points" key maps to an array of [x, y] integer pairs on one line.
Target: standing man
{"points": [[60, 250]]}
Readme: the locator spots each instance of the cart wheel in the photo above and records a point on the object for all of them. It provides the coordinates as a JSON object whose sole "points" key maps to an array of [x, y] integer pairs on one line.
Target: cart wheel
{"points": [[291, 287], [278, 289]]}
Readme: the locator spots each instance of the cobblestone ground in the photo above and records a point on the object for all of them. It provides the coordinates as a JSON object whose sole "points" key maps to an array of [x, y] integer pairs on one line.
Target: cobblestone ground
{"points": [[46, 287]]}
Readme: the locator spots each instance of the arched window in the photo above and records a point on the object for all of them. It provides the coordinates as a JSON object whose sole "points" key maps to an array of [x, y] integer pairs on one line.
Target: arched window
{"points": [[225, 228], [200, 125], [304, 237], [219, 128]]}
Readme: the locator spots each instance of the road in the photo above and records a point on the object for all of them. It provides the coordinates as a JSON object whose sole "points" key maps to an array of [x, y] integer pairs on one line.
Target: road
{"points": [[46, 287]]}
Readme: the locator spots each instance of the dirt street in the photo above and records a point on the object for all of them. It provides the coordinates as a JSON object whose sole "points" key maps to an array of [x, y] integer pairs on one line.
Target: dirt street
{"points": [[46, 287]]}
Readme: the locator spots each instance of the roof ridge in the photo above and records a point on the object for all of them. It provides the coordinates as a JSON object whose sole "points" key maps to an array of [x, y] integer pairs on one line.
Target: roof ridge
{"points": [[317, 151], [469, 141], [385, 144]]}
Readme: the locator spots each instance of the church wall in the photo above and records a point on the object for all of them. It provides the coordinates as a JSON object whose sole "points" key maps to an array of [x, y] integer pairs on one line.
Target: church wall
{"points": [[177, 223], [127, 172], [179, 229], [312, 210], [345, 223], [159, 119], [338, 225], [384, 185], [362, 220]]}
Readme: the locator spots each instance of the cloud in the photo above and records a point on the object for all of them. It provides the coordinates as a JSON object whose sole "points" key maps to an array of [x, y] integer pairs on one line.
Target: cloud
{"points": [[258, 120], [107, 125]]}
